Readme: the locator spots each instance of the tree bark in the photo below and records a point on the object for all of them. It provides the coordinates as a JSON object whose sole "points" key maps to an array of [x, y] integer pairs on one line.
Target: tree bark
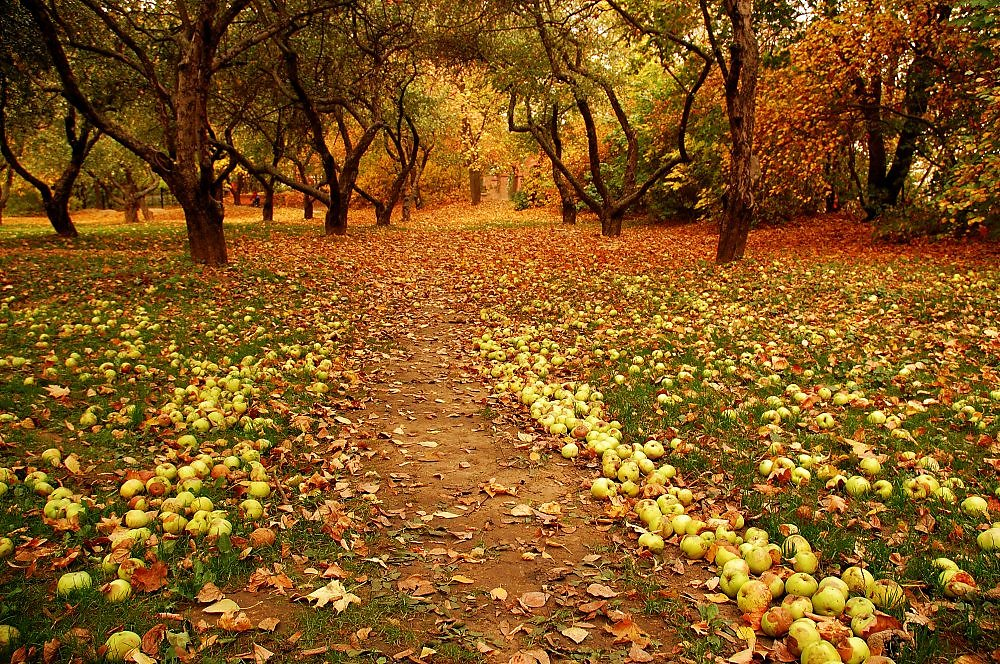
{"points": [[740, 78], [476, 186], [267, 206], [307, 206], [5, 189]]}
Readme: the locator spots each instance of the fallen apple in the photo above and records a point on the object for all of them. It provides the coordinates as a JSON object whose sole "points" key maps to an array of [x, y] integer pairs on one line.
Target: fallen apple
{"points": [[694, 547], [828, 601], [857, 606], [70, 582], [9, 636], [602, 488], [801, 584], [886, 594], [820, 652], [120, 645], [853, 650], [801, 634], [117, 591], [753, 597], [776, 621], [858, 580], [976, 506]]}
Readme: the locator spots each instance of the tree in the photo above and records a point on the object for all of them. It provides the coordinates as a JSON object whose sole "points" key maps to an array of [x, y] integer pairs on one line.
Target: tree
{"points": [[576, 50], [172, 50], [6, 184], [739, 74], [29, 110], [80, 138]]}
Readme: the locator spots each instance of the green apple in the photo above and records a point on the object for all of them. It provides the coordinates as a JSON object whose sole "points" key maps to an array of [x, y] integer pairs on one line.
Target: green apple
{"points": [[120, 644]]}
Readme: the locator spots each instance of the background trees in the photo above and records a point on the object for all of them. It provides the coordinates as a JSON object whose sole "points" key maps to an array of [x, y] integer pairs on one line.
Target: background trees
{"points": [[744, 114]]}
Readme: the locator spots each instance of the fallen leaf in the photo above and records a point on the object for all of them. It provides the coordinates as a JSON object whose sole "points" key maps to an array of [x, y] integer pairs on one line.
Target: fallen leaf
{"points": [[575, 634], [335, 593], [535, 656], [461, 578], [261, 654], [498, 593], [223, 606], [601, 590], [150, 579], [533, 600], [268, 624], [235, 621]]}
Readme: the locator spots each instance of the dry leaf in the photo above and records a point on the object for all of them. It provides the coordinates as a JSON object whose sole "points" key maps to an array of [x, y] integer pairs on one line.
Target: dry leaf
{"points": [[535, 656], [223, 606], [498, 593], [335, 593], [575, 634], [209, 593], [601, 590], [261, 654], [533, 600], [461, 578], [268, 624]]}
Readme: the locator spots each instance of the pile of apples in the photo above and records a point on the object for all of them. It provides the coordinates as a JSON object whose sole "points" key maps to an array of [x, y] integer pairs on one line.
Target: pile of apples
{"points": [[162, 503]]}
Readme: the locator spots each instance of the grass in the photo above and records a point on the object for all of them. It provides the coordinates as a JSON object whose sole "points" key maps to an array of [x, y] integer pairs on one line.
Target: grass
{"points": [[257, 360]]}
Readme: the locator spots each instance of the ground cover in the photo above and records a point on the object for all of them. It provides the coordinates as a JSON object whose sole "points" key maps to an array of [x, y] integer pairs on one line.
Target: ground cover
{"points": [[433, 442]]}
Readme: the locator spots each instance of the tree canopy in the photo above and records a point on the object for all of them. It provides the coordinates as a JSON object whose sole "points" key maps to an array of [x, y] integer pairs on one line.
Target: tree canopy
{"points": [[721, 109]]}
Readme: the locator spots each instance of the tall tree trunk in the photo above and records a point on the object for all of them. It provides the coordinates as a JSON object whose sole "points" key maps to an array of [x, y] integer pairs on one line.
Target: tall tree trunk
{"points": [[147, 214], [192, 180], [267, 207], [307, 206], [5, 189], [476, 186], [566, 198], [383, 214], [871, 111], [611, 221], [741, 95], [57, 210], [131, 211], [203, 217], [407, 200]]}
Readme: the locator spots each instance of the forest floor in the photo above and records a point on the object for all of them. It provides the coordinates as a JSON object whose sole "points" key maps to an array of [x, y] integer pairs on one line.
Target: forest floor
{"points": [[440, 513]]}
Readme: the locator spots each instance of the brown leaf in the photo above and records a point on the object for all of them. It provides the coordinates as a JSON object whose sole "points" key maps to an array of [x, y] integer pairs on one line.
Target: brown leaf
{"points": [[209, 593], [533, 600], [234, 621], [152, 639], [268, 624], [223, 606], [261, 654], [534, 656], [637, 654], [50, 650], [601, 590], [150, 579]]}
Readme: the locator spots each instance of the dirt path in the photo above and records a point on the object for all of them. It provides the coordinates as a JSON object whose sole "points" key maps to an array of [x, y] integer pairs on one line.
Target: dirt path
{"points": [[492, 534]]}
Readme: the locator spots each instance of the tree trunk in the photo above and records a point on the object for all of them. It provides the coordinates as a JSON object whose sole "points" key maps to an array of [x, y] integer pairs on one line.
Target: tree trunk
{"points": [[147, 214], [566, 198], [871, 111], [383, 214], [741, 93], [57, 210], [203, 216], [611, 222], [131, 211], [5, 188], [267, 206], [407, 201], [335, 222], [307, 207], [476, 186]]}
